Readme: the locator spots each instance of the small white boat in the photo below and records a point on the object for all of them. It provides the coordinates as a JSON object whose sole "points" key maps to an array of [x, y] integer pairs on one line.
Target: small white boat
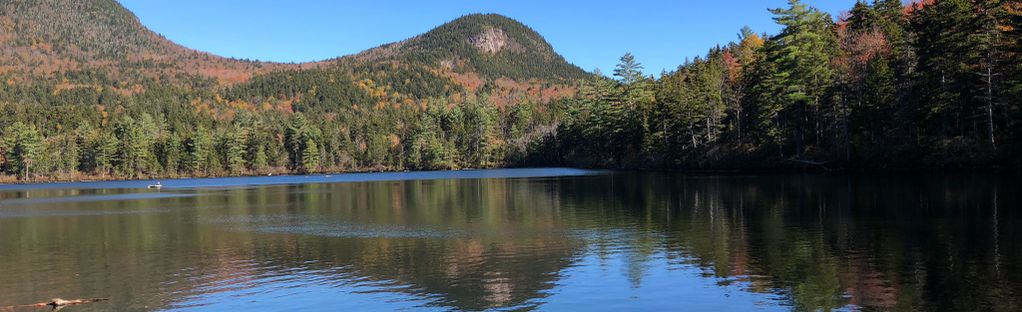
{"points": [[154, 186]]}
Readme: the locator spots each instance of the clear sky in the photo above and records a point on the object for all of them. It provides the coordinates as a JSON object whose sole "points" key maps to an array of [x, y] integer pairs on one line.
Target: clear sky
{"points": [[589, 33]]}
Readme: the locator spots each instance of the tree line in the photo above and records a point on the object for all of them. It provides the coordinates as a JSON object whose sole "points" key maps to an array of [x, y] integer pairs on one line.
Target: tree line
{"points": [[934, 84], [475, 134]]}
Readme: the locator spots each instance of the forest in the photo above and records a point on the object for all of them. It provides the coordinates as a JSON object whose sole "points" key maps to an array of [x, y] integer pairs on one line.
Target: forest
{"points": [[932, 84]]}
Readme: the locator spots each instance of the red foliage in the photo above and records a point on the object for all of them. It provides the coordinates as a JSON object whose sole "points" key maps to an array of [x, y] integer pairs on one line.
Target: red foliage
{"points": [[916, 5], [733, 65], [868, 45]]}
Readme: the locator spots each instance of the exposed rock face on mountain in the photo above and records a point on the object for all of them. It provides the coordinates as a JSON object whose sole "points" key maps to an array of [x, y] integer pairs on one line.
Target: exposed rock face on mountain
{"points": [[492, 40]]}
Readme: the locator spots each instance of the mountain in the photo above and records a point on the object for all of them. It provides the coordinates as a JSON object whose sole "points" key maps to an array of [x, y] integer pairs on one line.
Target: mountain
{"points": [[489, 44], [86, 89], [478, 54], [52, 46], [46, 38]]}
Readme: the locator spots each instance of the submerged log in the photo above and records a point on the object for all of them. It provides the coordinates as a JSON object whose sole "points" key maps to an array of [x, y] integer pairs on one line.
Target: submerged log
{"points": [[55, 303]]}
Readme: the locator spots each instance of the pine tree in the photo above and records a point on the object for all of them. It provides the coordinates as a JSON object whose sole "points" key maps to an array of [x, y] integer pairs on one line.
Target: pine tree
{"points": [[103, 149], [943, 43], [63, 153], [171, 153], [862, 16], [591, 123], [23, 145], [232, 146], [628, 70], [1011, 46], [296, 137], [802, 58], [479, 124], [987, 41], [259, 160], [199, 147], [257, 140], [874, 115], [310, 156], [135, 154]]}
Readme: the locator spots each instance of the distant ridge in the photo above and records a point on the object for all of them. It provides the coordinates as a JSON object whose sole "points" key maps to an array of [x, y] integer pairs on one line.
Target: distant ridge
{"points": [[101, 43]]}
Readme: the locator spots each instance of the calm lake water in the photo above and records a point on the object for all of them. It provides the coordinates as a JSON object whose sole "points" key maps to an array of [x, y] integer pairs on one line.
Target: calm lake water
{"points": [[546, 239]]}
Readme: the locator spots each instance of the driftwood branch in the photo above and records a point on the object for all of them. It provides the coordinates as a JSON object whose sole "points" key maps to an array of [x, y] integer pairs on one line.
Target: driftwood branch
{"points": [[821, 164], [55, 303]]}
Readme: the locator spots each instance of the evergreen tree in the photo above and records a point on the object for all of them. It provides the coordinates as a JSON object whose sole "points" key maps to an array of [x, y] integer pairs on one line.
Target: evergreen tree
{"points": [[171, 152], [479, 128], [310, 156], [628, 70], [942, 32], [1011, 46], [862, 16], [259, 160], [297, 136], [232, 147], [258, 138], [605, 127], [62, 153], [22, 144], [801, 56], [135, 154], [428, 149], [102, 151], [873, 117], [199, 147], [987, 43]]}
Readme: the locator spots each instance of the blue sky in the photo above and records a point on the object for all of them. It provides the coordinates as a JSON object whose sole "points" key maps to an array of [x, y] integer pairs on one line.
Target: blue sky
{"points": [[591, 34]]}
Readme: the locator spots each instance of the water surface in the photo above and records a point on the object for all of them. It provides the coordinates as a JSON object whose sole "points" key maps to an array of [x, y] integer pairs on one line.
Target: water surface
{"points": [[543, 239]]}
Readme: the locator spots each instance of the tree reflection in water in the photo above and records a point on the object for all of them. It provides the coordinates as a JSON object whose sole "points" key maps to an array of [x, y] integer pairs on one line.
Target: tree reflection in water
{"points": [[804, 242]]}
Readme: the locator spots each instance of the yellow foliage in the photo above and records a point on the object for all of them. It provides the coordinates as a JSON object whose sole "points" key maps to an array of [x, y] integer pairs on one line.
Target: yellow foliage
{"points": [[395, 141]]}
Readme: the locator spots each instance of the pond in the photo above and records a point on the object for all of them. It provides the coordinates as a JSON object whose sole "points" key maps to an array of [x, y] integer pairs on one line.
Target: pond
{"points": [[519, 239]]}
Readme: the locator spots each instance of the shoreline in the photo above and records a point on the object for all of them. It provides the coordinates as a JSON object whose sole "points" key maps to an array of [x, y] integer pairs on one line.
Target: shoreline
{"points": [[284, 179], [7, 180]]}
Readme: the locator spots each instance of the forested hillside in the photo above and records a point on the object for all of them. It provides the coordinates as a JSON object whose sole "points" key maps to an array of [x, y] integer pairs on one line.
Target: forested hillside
{"points": [[100, 41], [88, 92]]}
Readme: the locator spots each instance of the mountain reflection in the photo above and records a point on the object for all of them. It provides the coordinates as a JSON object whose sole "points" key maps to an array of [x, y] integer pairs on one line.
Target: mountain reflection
{"points": [[801, 242]]}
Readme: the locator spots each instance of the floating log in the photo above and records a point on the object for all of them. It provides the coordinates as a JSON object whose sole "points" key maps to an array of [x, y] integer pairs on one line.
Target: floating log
{"points": [[55, 303], [821, 164]]}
